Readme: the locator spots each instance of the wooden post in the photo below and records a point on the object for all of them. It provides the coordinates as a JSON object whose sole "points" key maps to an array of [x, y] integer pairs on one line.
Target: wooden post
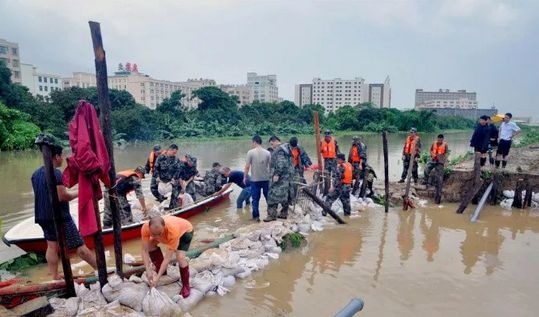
{"points": [[477, 183], [496, 181], [528, 197], [439, 183], [386, 171], [316, 121], [517, 201], [57, 213], [106, 127]]}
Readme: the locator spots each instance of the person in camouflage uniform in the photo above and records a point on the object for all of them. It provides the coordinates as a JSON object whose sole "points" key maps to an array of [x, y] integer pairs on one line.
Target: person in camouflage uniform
{"points": [[329, 150], [150, 164], [341, 187], [126, 181], [300, 160], [371, 175], [358, 158], [213, 180], [167, 169], [281, 170], [188, 171]]}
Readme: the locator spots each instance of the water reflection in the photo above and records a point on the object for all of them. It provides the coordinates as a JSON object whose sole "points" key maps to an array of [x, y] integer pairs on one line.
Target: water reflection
{"points": [[405, 236]]}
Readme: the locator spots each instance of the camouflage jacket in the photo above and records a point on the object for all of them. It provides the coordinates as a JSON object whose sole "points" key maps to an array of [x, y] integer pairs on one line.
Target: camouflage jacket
{"points": [[213, 181], [125, 185], [188, 169], [304, 159], [167, 168], [282, 163]]}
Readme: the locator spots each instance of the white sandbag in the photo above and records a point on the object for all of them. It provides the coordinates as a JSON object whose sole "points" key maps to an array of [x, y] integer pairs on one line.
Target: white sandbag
{"points": [[114, 281], [132, 295], [65, 307], [273, 256], [229, 281], [245, 274], [317, 226], [135, 279], [163, 280], [507, 203], [154, 302], [173, 271], [80, 290], [165, 189], [277, 250], [231, 271], [509, 193], [262, 262], [129, 259], [186, 304], [535, 197], [109, 293], [221, 290], [171, 289], [203, 281], [91, 301], [304, 227], [200, 264]]}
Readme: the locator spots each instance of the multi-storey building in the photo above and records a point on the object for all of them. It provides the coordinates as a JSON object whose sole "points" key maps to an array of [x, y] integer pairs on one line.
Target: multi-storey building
{"points": [[263, 88], [40, 83], [80, 79], [10, 55], [333, 94], [380, 94], [444, 98], [242, 92], [303, 94]]}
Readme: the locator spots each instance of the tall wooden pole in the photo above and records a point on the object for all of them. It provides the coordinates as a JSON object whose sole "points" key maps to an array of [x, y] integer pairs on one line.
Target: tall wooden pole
{"points": [[57, 214], [476, 184], [316, 121], [386, 171], [407, 202], [106, 127]]}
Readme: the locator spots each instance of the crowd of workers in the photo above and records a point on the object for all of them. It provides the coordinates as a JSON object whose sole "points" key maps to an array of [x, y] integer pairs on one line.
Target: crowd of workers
{"points": [[276, 173]]}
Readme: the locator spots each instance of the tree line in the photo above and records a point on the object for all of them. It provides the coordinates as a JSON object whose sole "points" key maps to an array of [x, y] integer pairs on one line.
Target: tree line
{"points": [[22, 116]]}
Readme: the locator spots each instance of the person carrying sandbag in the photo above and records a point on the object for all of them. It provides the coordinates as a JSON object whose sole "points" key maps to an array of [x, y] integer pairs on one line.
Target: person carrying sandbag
{"points": [[176, 233]]}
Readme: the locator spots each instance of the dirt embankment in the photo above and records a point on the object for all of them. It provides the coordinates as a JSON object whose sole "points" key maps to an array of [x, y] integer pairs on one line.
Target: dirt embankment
{"points": [[523, 164]]}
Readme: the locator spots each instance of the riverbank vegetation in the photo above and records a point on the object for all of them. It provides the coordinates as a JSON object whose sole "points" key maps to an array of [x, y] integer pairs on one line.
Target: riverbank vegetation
{"points": [[217, 115]]}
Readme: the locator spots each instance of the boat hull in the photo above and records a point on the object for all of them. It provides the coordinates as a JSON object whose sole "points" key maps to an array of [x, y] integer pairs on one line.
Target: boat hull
{"points": [[130, 232]]}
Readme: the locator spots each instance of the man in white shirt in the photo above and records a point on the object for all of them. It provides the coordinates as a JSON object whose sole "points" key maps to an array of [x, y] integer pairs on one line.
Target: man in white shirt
{"points": [[508, 130], [258, 163]]}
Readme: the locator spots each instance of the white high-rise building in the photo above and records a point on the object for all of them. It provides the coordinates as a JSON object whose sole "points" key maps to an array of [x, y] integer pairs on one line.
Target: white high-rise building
{"points": [[263, 88], [380, 94], [80, 79], [303, 94], [40, 83], [445, 98], [9, 53], [333, 94]]}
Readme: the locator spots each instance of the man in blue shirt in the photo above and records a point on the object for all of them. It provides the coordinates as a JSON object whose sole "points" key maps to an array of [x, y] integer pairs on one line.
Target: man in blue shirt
{"points": [[44, 215], [237, 178]]}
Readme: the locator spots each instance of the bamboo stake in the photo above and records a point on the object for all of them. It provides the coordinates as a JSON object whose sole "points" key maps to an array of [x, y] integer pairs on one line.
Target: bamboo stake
{"points": [[386, 171], [106, 127]]}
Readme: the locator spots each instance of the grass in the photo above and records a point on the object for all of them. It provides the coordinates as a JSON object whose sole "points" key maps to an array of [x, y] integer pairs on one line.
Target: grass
{"points": [[293, 240]]}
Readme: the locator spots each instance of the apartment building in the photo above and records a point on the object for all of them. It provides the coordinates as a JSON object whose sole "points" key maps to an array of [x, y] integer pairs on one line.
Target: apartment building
{"points": [[10, 55], [40, 83], [80, 79], [445, 98], [380, 94], [263, 88], [241, 92], [333, 94], [303, 94]]}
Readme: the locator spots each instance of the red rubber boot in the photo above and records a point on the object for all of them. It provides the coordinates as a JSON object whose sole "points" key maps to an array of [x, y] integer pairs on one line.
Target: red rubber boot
{"points": [[184, 273], [156, 256]]}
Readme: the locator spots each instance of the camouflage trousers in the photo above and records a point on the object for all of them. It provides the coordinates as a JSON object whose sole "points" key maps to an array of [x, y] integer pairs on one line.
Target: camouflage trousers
{"points": [[280, 192], [341, 192], [357, 175], [330, 169], [406, 165], [154, 185], [438, 169], [126, 216], [176, 189], [298, 178]]}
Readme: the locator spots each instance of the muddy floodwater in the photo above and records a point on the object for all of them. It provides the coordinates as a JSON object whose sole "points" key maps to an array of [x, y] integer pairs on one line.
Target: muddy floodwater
{"points": [[425, 262]]}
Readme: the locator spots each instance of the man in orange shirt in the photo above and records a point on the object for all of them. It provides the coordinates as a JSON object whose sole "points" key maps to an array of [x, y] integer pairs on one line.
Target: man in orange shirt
{"points": [[176, 233]]}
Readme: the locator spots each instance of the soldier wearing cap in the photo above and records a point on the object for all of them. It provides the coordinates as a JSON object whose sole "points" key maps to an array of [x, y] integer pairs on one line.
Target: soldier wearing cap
{"points": [[126, 182], [412, 141], [281, 171], [150, 164], [358, 158], [188, 171]]}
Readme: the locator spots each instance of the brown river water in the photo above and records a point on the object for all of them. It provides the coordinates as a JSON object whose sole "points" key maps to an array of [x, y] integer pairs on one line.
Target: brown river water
{"points": [[425, 262]]}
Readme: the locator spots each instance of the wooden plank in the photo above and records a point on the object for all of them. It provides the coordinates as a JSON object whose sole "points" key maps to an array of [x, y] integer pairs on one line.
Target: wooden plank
{"points": [[474, 187], [528, 197], [58, 219], [320, 203], [106, 127], [386, 171], [35, 307], [517, 201]]}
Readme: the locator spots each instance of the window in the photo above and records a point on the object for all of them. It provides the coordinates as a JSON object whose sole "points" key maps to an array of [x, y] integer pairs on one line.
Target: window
{"points": [[16, 74], [14, 50], [40, 88], [15, 63], [46, 88], [39, 79], [3, 50], [44, 79], [55, 80]]}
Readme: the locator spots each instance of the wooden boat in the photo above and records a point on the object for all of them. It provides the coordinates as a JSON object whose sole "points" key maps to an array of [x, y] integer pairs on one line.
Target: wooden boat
{"points": [[28, 235]]}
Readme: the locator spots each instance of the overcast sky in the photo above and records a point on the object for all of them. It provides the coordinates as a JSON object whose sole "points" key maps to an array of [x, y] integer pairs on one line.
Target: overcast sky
{"points": [[488, 46]]}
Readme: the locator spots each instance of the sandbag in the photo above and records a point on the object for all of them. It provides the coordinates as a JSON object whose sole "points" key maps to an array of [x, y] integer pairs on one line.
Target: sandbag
{"points": [[171, 289], [91, 301], [164, 188], [229, 281], [154, 302], [132, 295], [65, 307], [163, 280], [186, 304], [203, 281], [245, 274], [129, 259], [135, 279], [80, 290], [200, 264]]}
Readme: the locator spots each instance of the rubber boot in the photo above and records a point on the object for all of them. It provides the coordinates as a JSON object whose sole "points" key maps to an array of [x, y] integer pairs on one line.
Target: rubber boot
{"points": [[184, 274], [156, 256]]}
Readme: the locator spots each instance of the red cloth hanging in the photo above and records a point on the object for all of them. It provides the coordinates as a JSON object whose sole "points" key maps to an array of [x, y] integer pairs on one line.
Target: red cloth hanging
{"points": [[88, 163]]}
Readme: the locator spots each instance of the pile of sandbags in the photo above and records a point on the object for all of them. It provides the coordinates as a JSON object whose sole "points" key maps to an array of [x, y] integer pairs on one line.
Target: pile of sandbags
{"points": [[509, 196]]}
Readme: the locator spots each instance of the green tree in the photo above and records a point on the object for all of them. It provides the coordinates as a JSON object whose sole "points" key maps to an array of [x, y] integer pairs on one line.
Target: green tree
{"points": [[16, 132]]}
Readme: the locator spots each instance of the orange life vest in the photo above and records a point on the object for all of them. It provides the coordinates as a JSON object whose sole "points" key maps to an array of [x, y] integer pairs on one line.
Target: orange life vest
{"points": [[437, 150], [354, 154], [329, 150], [347, 177], [295, 155], [120, 177], [409, 144]]}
